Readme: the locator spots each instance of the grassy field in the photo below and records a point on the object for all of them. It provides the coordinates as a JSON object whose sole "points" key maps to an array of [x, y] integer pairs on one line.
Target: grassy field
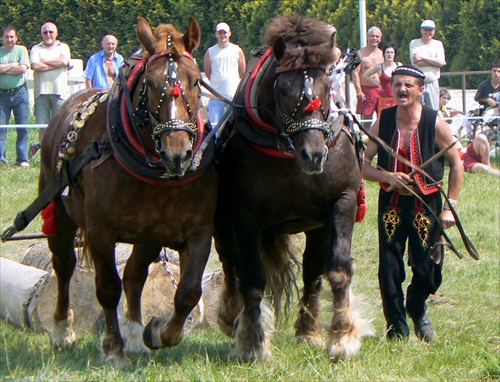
{"points": [[465, 313]]}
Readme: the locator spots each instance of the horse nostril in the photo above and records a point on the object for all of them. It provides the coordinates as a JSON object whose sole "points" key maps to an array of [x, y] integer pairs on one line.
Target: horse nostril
{"points": [[306, 156]]}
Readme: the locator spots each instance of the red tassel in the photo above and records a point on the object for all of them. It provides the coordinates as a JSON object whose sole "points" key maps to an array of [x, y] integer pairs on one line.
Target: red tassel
{"points": [[176, 91], [362, 207], [49, 214], [314, 104]]}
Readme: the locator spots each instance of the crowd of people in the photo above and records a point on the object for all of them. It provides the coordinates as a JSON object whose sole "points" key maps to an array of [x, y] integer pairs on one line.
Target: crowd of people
{"points": [[50, 62]]}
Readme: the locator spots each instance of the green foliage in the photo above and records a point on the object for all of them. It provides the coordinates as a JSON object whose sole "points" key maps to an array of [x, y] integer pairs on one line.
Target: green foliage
{"points": [[468, 29]]}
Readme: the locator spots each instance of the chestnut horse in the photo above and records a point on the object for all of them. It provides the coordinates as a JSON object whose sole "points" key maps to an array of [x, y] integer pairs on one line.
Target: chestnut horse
{"points": [[309, 185], [141, 187]]}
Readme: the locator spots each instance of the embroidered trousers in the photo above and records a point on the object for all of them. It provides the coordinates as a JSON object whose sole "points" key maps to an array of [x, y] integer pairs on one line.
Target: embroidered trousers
{"points": [[401, 220]]}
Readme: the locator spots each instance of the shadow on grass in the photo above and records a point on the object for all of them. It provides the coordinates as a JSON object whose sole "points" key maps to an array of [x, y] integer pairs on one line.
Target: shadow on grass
{"points": [[26, 353]]}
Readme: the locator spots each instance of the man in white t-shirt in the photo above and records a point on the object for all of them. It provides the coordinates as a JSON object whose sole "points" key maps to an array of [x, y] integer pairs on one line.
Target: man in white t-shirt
{"points": [[427, 54], [49, 61], [224, 66]]}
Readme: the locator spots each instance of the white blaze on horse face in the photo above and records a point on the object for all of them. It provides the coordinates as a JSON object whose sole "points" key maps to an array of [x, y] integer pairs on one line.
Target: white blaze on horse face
{"points": [[173, 108]]}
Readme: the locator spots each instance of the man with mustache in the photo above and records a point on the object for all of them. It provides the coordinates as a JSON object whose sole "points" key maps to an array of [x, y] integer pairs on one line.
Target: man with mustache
{"points": [[410, 207]]}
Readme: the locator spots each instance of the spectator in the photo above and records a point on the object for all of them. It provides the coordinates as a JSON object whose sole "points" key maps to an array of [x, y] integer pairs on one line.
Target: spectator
{"points": [[412, 128], [14, 94], [427, 54], [367, 93], [384, 73], [49, 61], [102, 67], [488, 91], [444, 111], [476, 156], [224, 66]]}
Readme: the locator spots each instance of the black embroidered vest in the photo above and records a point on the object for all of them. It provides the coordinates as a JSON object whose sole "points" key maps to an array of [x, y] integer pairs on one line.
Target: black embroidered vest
{"points": [[422, 147]]}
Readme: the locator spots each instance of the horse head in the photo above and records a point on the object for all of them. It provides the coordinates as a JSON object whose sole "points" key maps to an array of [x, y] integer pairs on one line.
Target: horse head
{"points": [[304, 51], [170, 92]]}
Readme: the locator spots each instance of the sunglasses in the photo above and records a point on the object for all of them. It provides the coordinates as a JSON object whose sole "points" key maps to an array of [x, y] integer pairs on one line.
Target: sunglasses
{"points": [[48, 32]]}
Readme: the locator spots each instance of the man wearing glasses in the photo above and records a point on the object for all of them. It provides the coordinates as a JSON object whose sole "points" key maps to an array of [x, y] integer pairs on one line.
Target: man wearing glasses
{"points": [[49, 61]]}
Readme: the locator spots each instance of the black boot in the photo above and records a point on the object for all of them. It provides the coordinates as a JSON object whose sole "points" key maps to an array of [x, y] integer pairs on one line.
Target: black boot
{"points": [[398, 331], [424, 329]]}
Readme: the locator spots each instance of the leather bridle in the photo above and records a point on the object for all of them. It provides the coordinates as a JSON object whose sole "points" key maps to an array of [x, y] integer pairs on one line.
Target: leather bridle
{"points": [[287, 124], [176, 90]]}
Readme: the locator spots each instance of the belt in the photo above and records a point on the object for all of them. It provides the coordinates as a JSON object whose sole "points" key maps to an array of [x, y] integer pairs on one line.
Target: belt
{"points": [[410, 190], [14, 90]]}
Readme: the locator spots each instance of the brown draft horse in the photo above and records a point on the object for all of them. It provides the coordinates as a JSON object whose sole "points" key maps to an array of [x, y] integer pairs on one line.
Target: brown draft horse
{"points": [[114, 202], [268, 194]]}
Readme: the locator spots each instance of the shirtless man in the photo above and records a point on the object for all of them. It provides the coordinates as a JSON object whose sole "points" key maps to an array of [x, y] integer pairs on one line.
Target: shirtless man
{"points": [[367, 94], [102, 67]]}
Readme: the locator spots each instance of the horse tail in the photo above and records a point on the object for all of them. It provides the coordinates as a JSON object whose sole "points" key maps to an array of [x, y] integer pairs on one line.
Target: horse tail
{"points": [[84, 260], [280, 264]]}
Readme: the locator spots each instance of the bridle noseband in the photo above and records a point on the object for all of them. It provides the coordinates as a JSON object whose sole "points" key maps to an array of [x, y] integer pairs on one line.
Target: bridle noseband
{"points": [[288, 124], [176, 89]]}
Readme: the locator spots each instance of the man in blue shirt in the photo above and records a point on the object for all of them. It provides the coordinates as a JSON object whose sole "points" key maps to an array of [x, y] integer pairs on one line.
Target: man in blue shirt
{"points": [[102, 67]]}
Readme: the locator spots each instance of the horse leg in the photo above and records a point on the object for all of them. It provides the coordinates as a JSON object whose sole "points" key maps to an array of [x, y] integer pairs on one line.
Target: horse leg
{"points": [[231, 303], [134, 277], [193, 257], [108, 289], [308, 324], [252, 343], [61, 245], [347, 327]]}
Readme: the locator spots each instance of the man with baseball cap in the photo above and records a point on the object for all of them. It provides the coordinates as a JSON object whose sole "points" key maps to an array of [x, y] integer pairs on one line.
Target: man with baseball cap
{"points": [[224, 66], [427, 54], [410, 210]]}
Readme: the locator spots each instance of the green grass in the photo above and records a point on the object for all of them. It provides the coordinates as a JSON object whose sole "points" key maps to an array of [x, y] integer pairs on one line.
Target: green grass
{"points": [[465, 313]]}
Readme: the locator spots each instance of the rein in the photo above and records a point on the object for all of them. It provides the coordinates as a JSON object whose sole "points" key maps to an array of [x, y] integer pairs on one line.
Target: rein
{"points": [[285, 124], [471, 249]]}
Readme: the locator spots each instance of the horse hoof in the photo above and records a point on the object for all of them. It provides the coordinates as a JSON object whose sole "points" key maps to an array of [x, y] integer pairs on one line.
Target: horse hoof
{"points": [[151, 334], [261, 355], [63, 335], [315, 340], [118, 360], [132, 336], [346, 348]]}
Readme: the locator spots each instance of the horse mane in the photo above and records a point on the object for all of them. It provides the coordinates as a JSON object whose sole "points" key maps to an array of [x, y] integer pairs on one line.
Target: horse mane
{"points": [[161, 34], [308, 41]]}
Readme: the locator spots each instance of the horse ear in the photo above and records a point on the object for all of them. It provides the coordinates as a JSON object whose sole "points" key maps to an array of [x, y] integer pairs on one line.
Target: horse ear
{"points": [[193, 35], [279, 48], [332, 39], [145, 35]]}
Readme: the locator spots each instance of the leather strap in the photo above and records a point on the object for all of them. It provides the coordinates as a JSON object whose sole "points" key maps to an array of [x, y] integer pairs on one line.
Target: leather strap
{"points": [[62, 180]]}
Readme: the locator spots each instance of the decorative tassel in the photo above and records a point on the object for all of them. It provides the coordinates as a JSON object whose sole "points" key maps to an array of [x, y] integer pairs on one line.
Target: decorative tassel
{"points": [[49, 219], [362, 207], [176, 91], [314, 105]]}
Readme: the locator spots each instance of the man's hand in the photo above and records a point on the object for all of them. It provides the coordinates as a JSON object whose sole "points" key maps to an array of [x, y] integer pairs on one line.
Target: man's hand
{"points": [[491, 102], [447, 219], [397, 180]]}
